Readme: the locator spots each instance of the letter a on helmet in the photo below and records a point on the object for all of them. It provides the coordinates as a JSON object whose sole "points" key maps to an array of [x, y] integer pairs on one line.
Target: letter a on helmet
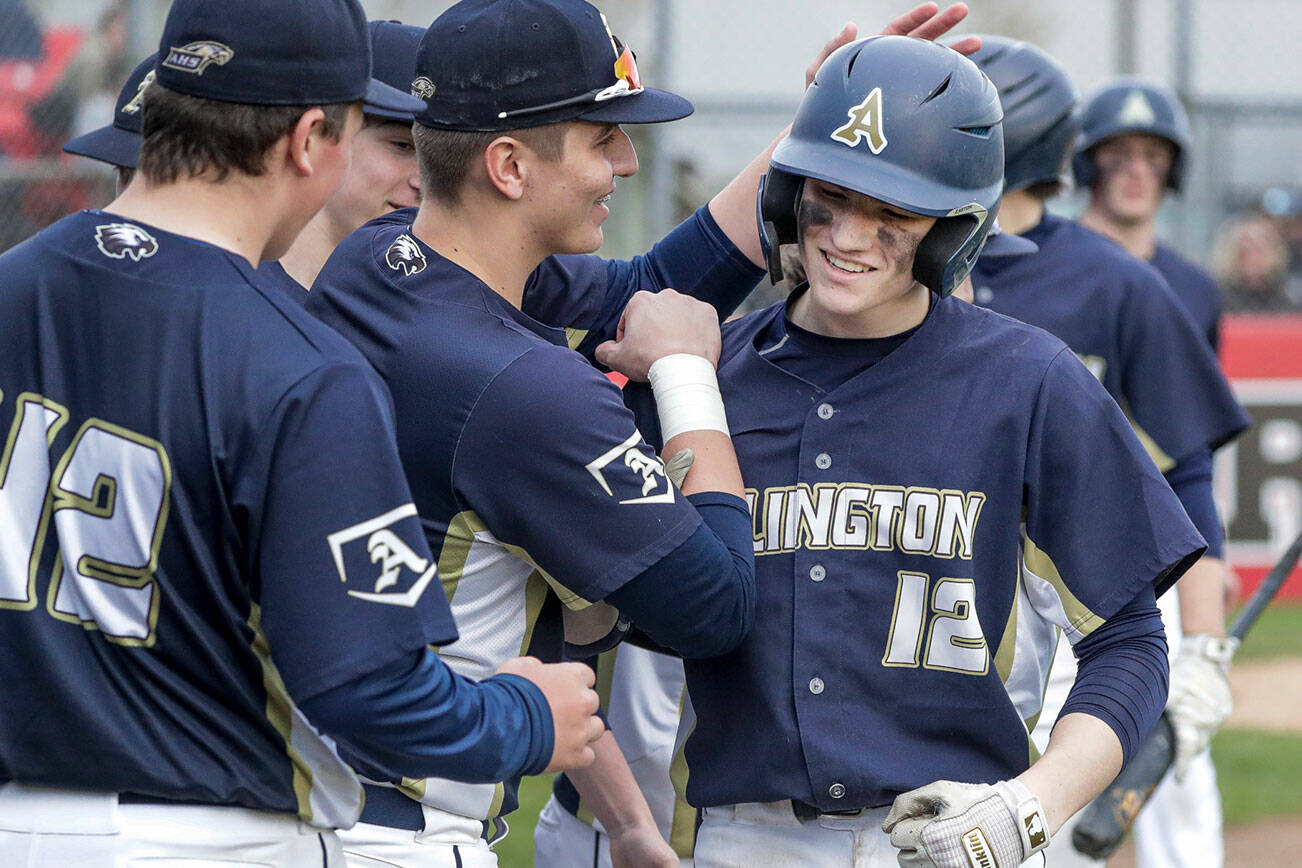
{"points": [[865, 123]]}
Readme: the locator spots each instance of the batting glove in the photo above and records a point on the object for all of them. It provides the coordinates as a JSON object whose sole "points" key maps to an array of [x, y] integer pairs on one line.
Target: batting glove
{"points": [[1199, 700], [951, 825]]}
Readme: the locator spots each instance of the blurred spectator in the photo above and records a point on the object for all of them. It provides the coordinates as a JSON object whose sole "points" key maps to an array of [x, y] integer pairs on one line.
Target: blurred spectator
{"points": [[20, 35], [83, 99], [1252, 267]]}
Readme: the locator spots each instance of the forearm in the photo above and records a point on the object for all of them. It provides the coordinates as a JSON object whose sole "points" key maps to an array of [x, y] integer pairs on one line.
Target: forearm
{"points": [[733, 208], [715, 465], [699, 600], [609, 788], [1202, 598], [1082, 758], [416, 718]]}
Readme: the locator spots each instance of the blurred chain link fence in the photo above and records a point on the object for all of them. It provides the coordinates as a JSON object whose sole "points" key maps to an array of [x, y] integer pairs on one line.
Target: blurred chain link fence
{"points": [[63, 61]]}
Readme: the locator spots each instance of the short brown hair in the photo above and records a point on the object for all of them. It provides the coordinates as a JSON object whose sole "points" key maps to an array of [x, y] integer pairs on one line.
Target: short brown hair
{"points": [[187, 136], [447, 155]]}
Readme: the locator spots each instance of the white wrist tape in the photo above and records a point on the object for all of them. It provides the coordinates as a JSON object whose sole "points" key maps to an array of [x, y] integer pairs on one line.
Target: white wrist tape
{"points": [[687, 395]]}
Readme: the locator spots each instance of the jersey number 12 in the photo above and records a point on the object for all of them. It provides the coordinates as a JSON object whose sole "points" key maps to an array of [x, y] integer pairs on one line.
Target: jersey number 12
{"points": [[107, 500], [954, 642]]}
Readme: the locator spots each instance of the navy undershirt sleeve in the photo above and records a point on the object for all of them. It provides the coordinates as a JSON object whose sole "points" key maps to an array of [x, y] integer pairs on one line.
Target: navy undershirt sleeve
{"points": [[417, 718], [1122, 672], [1191, 480], [711, 575]]}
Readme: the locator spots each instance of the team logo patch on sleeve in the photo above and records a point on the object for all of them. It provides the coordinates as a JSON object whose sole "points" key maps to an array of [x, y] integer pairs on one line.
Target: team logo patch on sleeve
{"points": [[120, 240], [628, 470], [380, 561], [405, 255], [198, 56]]}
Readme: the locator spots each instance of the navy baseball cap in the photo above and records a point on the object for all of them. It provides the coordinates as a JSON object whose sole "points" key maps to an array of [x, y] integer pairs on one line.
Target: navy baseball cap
{"points": [[273, 52], [118, 144], [393, 61], [506, 64]]}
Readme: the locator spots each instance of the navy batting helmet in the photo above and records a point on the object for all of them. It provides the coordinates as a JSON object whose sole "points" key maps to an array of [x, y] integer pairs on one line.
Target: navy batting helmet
{"points": [[1041, 110], [1131, 105], [907, 122]]}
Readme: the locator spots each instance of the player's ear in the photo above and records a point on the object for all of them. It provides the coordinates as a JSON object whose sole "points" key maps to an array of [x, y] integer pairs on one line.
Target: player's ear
{"points": [[303, 140], [508, 162]]}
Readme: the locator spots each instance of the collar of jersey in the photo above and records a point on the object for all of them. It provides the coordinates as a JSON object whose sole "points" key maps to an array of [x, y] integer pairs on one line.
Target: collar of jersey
{"points": [[445, 280]]}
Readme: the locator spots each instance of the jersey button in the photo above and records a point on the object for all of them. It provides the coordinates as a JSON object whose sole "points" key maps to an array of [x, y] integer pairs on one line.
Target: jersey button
{"points": [[836, 791], [825, 411], [823, 461], [815, 686], [817, 572]]}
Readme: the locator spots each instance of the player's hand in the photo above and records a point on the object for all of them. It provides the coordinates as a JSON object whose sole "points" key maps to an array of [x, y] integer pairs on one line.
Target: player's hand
{"points": [[573, 703], [926, 21], [1199, 701], [951, 825], [641, 847], [659, 324]]}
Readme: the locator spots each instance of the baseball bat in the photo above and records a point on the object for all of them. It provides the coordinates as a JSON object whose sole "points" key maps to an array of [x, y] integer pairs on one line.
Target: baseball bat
{"points": [[1105, 821]]}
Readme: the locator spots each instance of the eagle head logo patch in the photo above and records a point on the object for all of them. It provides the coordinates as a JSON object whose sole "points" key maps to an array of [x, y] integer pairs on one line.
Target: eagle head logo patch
{"points": [[195, 57], [120, 240], [422, 87], [138, 100], [405, 255], [865, 123]]}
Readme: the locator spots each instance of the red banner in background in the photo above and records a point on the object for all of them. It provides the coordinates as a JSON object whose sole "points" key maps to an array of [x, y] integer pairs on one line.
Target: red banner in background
{"points": [[1259, 476]]}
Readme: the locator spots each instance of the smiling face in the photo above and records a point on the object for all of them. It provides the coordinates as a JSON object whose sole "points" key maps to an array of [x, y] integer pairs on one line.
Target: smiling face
{"points": [[382, 176], [858, 256], [570, 196], [1132, 172]]}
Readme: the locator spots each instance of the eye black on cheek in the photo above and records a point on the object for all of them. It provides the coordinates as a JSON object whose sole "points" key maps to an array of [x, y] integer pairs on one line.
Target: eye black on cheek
{"points": [[811, 213]]}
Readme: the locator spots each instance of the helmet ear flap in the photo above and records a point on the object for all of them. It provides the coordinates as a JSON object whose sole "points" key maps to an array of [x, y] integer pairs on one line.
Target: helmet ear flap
{"points": [[779, 198], [949, 250], [1083, 169]]}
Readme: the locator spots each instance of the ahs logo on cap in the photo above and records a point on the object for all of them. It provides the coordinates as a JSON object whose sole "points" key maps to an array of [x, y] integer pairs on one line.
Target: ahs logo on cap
{"points": [[120, 240], [138, 100], [865, 123], [198, 56], [405, 255], [1137, 111]]}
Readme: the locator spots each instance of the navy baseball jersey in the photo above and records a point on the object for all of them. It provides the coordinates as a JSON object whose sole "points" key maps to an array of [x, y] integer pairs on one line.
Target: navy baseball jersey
{"points": [[1119, 316], [528, 471], [1196, 290], [202, 517], [922, 530], [274, 276]]}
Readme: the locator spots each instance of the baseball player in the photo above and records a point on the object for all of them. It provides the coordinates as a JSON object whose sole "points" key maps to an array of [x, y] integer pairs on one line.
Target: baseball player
{"points": [[382, 177], [643, 695], [536, 488], [512, 177], [936, 490], [1133, 148], [212, 578], [1121, 318]]}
